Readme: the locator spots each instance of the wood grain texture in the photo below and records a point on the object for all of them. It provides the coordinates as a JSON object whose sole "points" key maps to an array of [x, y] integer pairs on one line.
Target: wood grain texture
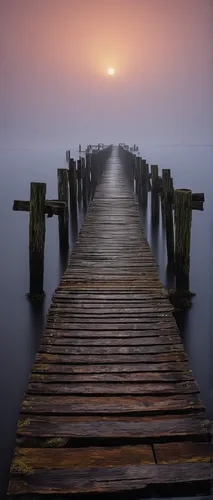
{"points": [[111, 404]]}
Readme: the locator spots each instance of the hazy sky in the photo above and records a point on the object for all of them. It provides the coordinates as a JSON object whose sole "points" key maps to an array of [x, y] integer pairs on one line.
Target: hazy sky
{"points": [[54, 56]]}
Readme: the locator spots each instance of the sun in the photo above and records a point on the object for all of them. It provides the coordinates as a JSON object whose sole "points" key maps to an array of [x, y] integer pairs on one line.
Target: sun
{"points": [[111, 71]]}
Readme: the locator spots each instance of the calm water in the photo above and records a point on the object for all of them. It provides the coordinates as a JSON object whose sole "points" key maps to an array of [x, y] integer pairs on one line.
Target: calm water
{"points": [[22, 324]]}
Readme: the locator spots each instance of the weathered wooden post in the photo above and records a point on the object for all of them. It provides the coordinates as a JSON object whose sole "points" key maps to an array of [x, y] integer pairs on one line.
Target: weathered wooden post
{"points": [[88, 171], [93, 173], [67, 156], [137, 178], [155, 178], [155, 195], [169, 198], [37, 206], [73, 187], [166, 173], [37, 238], [84, 175], [183, 221], [79, 177], [63, 218], [144, 182]]}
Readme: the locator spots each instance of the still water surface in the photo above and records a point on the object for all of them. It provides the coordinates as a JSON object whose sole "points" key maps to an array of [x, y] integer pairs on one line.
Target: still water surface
{"points": [[22, 323]]}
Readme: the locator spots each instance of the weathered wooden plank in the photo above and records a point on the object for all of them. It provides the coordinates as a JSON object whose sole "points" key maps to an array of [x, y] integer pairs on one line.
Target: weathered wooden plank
{"points": [[117, 334], [189, 387], [183, 452], [70, 481], [140, 368], [111, 377], [129, 326], [95, 427], [83, 458], [107, 308], [131, 341], [112, 358], [111, 405], [131, 350]]}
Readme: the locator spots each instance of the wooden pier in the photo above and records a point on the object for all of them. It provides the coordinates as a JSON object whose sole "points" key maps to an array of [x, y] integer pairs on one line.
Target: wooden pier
{"points": [[112, 407]]}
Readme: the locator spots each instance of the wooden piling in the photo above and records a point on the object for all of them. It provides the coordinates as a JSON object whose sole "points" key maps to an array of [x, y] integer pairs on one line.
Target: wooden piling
{"points": [[93, 173], [155, 195], [88, 176], [183, 220], [68, 156], [73, 187], [84, 176], [155, 178], [166, 174], [144, 182], [37, 238], [79, 177], [138, 176], [169, 195], [63, 218]]}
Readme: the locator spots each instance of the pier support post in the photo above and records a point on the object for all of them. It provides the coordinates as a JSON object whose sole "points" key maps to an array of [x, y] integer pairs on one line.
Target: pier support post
{"points": [[169, 199], [88, 171], [155, 195], [93, 174], [73, 188], [63, 218], [67, 156], [137, 177], [79, 177], [84, 175], [166, 173], [183, 220], [37, 238], [144, 182]]}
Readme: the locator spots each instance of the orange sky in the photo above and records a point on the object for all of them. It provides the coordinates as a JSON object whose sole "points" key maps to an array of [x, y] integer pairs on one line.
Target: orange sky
{"points": [[55, 55]]}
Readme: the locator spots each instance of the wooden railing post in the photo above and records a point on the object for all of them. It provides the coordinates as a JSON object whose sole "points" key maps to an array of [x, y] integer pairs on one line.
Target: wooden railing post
{"points": [[93, 174], [88, 170], [169, 199], [183, 221], [144, 182], [63, 218], [37, 238], [155, 195], [73, 187], [79, 177], [67, 156], [84, 175], [165, 175]]}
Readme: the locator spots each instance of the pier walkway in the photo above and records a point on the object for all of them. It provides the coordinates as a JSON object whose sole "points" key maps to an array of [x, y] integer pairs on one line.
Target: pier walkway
{"points": [[111, 406]]}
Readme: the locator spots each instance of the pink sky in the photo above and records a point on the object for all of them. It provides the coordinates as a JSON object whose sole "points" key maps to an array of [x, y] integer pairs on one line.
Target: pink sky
{"points": [[54, 60]]}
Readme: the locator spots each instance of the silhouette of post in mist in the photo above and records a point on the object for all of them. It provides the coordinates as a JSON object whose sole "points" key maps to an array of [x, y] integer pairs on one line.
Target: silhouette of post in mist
{"points": [[169, 200], [155, 195], [63, 218], [73, 188], [79, 177], [144, 182]]}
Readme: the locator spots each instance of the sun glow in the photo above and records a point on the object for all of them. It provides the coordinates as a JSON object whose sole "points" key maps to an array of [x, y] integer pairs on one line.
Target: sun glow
{"points": [[111, 71]]}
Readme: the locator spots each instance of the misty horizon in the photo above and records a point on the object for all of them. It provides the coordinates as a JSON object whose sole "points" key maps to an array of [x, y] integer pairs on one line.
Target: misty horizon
{"points": [[54, 60]]}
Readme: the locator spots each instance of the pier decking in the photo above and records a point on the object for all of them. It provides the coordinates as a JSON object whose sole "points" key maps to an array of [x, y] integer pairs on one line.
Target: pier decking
{"points": [[111, 406]]}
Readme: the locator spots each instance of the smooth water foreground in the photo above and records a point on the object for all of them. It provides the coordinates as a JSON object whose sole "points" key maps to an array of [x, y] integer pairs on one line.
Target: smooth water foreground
{"points": [[22, 323]]}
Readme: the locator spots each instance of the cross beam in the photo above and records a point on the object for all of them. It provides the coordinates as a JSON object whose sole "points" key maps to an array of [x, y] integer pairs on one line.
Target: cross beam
{"points": [[51, 207]]}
